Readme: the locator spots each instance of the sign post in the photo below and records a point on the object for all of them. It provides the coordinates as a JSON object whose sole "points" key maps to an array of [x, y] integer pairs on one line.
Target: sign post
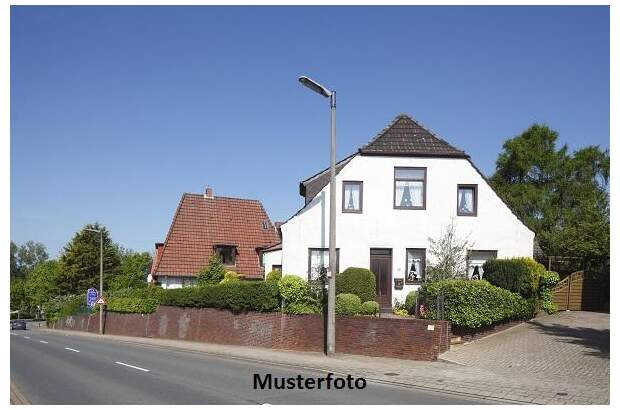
{"points": [[91, 297]]}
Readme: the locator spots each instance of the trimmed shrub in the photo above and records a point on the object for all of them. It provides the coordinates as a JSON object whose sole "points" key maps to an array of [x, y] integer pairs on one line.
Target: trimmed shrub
{"points": [[348, 304], [132, 305], [510, 274], [237, 296], [274, 275], [296, 295], [213, 273], [475, 303], [548, 280], [230, 276], [357, 281], [399, 309], [410, 302], [63, 306], [370, 307]]}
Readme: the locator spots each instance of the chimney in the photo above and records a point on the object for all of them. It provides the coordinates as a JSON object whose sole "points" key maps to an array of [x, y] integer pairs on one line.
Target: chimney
{"points": [[208, 192]]}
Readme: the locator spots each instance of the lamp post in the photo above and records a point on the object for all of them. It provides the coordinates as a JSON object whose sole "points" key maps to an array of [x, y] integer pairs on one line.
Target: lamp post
{"points": [[100, 275], [331, 274]]}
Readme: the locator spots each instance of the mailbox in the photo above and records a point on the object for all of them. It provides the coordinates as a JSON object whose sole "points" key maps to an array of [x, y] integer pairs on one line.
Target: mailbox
{"points": [[398, 283]]}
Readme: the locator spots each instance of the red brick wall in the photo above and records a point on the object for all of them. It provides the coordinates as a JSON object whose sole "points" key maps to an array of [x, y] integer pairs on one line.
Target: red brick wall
{"points": [[370, 336]]}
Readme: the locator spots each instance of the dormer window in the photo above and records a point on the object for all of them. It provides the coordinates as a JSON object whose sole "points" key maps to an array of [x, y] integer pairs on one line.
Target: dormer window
{"points": [[227, 254], [265, 225]]}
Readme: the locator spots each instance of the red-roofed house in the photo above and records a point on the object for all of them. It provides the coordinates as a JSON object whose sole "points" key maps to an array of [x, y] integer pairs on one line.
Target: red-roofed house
{"points": [[237, 229]]}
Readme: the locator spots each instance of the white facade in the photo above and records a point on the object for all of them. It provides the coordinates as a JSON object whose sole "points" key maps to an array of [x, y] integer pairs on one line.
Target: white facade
{"points": [[380, 225], [270, 259]]}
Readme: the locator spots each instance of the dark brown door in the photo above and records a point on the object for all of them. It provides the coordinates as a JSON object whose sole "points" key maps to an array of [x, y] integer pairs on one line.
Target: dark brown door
{"points": [[381, 265]]}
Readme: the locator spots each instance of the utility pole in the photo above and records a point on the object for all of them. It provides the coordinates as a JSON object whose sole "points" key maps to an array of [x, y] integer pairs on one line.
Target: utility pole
{"points": [[101, 307]]}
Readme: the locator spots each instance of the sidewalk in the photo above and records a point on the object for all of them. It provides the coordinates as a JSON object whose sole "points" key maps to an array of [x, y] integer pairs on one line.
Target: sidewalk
{"points": [[438, 376]]}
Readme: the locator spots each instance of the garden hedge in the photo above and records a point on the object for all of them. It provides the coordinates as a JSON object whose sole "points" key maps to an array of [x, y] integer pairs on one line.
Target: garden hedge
{"points": [[296, 296], [511, 274], [357, 281], [238, 296], [370, 307], [348, 304], [474, 303], [132, 305]]}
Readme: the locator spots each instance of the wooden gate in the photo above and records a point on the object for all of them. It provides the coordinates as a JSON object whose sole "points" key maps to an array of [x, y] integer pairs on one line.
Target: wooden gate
{"points": [[579, 291]]}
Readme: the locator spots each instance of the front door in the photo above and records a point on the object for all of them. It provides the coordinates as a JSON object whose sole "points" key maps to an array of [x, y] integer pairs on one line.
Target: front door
{"points": [[381, 266]]}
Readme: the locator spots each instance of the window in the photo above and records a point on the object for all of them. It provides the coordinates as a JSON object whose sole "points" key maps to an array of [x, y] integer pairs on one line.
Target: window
{"points": [[415, 271], [318, 258], [352, 194], [227, 253], [409, 188], [265, 225], [467, 200], [276, 267], [475, 260]]}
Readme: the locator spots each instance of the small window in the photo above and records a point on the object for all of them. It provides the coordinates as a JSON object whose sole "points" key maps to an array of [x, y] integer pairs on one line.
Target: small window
{"points": [[227, 254], [318, 258], [409, 188], [475, 262], [265, 225], [352, 194], [467, 200], [276, 267], [415, 271]]}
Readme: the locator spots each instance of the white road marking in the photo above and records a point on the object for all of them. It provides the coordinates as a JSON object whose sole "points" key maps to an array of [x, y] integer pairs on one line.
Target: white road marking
{"points": [[133, 367], [73, 350], [43, 341], [26, 337], [14, 334]]}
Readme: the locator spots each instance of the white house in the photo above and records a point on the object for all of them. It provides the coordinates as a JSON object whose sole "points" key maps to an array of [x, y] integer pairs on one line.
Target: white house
{"points": [[404, 187]]}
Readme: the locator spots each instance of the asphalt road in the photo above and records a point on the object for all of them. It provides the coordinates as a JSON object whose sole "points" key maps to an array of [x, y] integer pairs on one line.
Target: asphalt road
{"points": [[55, 368]]}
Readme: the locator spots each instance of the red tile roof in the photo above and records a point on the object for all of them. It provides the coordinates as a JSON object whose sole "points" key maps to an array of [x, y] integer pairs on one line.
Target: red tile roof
{"points": [[201, 223]]}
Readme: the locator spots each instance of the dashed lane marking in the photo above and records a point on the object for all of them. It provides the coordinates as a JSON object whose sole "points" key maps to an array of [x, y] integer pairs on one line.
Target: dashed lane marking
{"points": [[73, 350], [133, 367], [43, 341], [26, 337]]}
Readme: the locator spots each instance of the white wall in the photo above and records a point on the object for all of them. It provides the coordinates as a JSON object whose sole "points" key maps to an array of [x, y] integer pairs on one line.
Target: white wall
{"points": [[270, 259], [382, 226]]}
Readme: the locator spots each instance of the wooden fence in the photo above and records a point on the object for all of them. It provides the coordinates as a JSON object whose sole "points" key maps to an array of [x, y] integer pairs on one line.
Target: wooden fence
{"points": [[582, 291]]}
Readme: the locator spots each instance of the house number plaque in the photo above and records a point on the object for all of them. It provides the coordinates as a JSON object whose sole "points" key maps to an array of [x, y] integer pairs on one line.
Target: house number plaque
{"points": [[398, 283]]}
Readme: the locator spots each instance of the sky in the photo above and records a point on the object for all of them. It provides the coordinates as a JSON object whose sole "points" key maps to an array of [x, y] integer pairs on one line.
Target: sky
{"points": [[117, 111]]}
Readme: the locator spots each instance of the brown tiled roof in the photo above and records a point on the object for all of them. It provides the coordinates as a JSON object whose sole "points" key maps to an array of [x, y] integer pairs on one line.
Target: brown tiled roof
{"points": [[406, 136], [201, 223], [403, 136]]}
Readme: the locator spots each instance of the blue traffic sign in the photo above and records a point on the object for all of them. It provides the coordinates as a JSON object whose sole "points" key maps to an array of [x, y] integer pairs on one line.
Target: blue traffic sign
{"points": [[91, 297]]}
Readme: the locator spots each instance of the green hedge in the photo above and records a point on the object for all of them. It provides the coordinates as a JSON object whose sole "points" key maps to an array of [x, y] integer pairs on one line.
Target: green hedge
{"points": [[239, 296], [63, 306], [370, 307], [348, 304], [410, 301], [274, 275], [296, 296], [357, 281], [548, 280], [475, 303], [132, 305], [511, 274]]}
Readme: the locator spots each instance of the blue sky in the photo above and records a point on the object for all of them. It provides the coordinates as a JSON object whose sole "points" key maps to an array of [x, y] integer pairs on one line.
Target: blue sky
{"points": [[116, 111]]}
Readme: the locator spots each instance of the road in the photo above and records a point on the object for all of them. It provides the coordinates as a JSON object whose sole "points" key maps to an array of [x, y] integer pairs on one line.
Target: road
{"points": [[56, 368]]}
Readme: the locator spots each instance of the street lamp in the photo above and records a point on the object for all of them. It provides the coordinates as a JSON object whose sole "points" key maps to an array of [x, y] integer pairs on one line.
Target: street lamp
{"points": [[331, 274], [100, 275]]}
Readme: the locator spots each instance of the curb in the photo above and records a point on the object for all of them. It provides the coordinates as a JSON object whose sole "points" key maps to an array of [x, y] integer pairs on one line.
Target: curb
{"points": [[16, 396]]}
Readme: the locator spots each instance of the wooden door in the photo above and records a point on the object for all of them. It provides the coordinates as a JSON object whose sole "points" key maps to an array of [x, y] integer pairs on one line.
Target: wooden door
{"points": [[381, 266]]}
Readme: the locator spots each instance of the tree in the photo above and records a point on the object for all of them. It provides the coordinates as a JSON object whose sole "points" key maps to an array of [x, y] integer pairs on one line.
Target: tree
{"points": [[562, 197], [213, 273], [26, 257], [80, 260], [132, 271], [42, 284], [18, 296], [448, 255]]}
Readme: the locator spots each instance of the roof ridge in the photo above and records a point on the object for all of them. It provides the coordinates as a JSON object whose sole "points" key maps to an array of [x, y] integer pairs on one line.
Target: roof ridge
{"points": [[223, 197], [384, 130]]}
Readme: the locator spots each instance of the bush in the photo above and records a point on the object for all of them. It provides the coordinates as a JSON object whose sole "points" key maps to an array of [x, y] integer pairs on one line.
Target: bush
{"points": [[410, 302], [370, 307], [475, 303], [132, 305], [548, 280], [296, 295], [238, 296], [230, 276], [510, 274], [275, 275], [400, 309], [348, 304], [213, 273], [358, 281], [63, 306]]}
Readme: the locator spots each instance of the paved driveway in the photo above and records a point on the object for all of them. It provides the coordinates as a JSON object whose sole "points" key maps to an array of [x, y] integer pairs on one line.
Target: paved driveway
{"points": [[568, 348]]}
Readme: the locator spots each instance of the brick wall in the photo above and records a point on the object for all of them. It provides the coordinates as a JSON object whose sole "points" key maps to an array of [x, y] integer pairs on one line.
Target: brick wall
{"points": [[370, 336]]}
